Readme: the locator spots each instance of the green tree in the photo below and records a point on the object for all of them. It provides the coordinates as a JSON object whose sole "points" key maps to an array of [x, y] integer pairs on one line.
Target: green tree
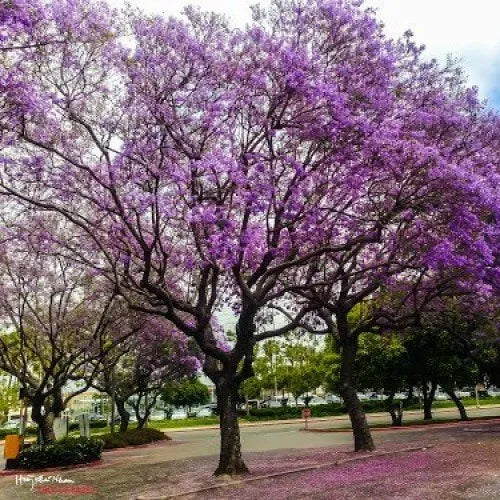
{"points": [[9, 394], [186, 393], [303, 373], [383, 365], [436, 358]]}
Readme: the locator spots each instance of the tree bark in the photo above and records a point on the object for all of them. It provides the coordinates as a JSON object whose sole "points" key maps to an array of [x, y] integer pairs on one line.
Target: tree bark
{"points": [[45, 421], [428, 399], [349, 345], [395, 411], [124, 416], [458, 403], [230, 461]]}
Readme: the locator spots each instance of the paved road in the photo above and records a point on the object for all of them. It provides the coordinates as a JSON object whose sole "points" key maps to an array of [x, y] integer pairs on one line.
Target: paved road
{"points": [[196, 442], [203, 442], [187, 462]]}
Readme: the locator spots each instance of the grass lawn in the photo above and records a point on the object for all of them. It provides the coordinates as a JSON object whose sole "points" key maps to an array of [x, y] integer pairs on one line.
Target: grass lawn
{"points": [[406, 423], [201, 421]]}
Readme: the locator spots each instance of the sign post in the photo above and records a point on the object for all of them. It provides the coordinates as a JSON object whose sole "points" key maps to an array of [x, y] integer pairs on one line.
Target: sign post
{"points": [[306, 414], [479, 387]]}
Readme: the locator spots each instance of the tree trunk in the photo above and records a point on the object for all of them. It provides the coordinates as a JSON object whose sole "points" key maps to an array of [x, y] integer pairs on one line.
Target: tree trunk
{"points": [[124, 416], [410, 397], [396, 411], [46, 425], [349, 345], [428, 400], [458, 403], [230, 461], [44, 420], [142, 422]]}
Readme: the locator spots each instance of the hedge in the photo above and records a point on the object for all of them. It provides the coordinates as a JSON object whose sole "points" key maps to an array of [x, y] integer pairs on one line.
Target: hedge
{"points": [[29, 431], [286, 412], [67, 451], [132, 437]]}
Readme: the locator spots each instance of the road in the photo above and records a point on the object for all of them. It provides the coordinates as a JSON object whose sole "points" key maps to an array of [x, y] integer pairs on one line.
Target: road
{"points": [[268, 436], [274, 436], [188, 460]]}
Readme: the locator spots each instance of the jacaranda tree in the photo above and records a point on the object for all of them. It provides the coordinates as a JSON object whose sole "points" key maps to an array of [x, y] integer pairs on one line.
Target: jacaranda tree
{"points": [[201, 165]]}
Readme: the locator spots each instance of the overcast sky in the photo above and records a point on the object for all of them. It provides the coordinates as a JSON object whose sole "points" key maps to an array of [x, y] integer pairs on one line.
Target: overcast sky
{"points": [[465, 29]]}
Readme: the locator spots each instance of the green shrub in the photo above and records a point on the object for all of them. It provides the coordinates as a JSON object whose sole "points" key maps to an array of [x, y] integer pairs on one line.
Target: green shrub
{"points": [[29, 431], [112, 441], [67, 451], [132, 437], [93, 424], [286, 412]]}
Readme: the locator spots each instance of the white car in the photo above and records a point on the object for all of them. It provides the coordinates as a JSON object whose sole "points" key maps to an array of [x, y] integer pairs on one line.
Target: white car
{"points": [[463, 394], [362, 396], [493, 391], [296, 404], [205, 411], [441, 396], [332, 398], [157, 415], [274, 402], [317, 401], [401, 395], [179, 414]]}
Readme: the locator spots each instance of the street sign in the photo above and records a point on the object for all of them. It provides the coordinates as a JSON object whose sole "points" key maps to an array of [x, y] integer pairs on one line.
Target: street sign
{"points": [[306, 413]]}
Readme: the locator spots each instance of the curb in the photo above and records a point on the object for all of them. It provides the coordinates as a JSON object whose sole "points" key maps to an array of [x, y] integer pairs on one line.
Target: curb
{"points": [[16, 472], [436, 424], [286, 473], [292, 421]]}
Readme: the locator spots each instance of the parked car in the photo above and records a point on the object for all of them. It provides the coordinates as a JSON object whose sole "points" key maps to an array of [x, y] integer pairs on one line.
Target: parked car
{"points": [[401, 395], [362, 396], [317, 401], [299, 403], [179, 414], [463, 394], [97, 417], [441, 396], [493, 391], [205, 411], [273, 402], [157, 415], [332, 398]]}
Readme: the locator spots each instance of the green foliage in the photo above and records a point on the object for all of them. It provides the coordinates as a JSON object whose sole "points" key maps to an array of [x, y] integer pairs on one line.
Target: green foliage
{"points": [[251, 388], [68, 451], [330, 366], [297, 366], [29, 431], [94, 424], [382, 363], [132, 437], [9, 392], [287, 412], [434, 355], [185, 393]]}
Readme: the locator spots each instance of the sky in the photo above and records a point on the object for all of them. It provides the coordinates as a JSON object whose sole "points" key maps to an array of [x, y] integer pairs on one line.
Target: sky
{"points": [[466, 30]]}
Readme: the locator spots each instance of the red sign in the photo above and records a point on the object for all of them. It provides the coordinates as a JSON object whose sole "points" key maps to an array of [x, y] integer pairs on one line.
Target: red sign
{"points": [[306, 413]]}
